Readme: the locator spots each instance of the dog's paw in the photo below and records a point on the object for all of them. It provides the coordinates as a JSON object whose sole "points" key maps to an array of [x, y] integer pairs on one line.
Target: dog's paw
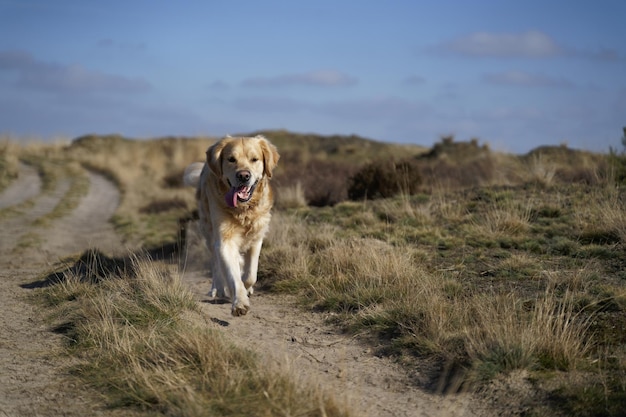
{"points": [[240, 311], [216, 293], [240, 307], [250, 290], [219, 293]]}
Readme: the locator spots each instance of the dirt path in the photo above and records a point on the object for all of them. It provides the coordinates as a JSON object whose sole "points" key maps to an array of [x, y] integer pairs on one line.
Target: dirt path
{"points": [[33, 380], [33, 368], [26, 186], [375, 386], [282, 332]]}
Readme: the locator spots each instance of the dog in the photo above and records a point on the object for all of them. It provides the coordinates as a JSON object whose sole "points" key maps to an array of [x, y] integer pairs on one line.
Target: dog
{"points": [[235, 200]]}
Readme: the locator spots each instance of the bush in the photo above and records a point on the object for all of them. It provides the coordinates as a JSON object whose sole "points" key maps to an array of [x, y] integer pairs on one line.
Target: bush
{"points": [[383, 179], [174, 179], [323, 182]]}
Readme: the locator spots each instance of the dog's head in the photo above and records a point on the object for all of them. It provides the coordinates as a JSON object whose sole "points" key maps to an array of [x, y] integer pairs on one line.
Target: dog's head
{"points": [[240, 163]]}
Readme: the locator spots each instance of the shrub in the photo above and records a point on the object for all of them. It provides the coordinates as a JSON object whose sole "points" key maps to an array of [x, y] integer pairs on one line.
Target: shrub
{"points": [[323, 182], [174, 179], [383, 179]]}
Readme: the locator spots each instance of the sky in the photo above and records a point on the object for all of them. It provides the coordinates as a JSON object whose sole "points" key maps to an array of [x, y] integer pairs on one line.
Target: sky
{"points": [[513, 74]]}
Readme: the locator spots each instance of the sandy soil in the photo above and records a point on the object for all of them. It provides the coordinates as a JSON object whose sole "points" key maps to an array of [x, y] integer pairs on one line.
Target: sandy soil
{"points": [[34, 378]]}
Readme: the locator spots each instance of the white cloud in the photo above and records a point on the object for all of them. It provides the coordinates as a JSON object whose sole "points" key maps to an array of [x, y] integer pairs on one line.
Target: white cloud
{"points": [[526, 79], [321, 78], [529, 44], [38, 75]]}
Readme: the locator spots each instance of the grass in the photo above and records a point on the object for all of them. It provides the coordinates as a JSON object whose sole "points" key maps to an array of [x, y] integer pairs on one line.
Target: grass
{"points": [[142, 340], [485, 281], [8, 162], [496, 263], [381, 287], [549, 334]]}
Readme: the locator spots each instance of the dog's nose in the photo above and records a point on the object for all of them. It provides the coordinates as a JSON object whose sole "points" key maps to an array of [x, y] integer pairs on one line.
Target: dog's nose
{"points": [[244, 176]]}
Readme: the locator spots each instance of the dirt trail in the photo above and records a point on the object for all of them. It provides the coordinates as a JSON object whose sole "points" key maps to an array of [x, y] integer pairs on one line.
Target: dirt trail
{"points": [[33, 380], [377, 387], [282, 332], [88, 225], [33, 368], [26, 186]]}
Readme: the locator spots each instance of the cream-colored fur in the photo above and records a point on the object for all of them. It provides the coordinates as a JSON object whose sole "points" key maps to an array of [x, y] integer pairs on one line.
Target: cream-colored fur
{"points": [[234, 206]]}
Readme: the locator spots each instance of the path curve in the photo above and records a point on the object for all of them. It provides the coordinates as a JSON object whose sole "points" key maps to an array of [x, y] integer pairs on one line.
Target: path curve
{"points": [[88, 225], [27, 185]]}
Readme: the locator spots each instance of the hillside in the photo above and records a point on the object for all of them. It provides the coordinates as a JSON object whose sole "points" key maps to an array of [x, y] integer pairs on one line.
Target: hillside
{"points": [[495, 279]]}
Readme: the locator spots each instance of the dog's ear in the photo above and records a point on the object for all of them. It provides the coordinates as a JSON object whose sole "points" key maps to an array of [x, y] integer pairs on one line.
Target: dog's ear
{"points": [[270, 155], [214, 157]]}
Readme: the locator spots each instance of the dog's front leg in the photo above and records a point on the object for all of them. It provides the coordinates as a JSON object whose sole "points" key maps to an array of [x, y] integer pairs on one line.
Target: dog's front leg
{"points": [[251, 266], [231, 272], [218, 288]]}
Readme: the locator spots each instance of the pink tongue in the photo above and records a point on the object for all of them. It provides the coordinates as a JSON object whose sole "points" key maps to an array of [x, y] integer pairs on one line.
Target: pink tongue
{"points": [[231, 197]]}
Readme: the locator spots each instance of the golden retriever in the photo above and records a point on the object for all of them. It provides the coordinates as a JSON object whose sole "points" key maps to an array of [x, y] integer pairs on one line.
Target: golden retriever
{"points": [[234, 207]]}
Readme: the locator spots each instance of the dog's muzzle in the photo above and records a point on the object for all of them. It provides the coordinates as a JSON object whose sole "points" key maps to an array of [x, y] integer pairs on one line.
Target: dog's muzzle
{"points": [[239, 194]]}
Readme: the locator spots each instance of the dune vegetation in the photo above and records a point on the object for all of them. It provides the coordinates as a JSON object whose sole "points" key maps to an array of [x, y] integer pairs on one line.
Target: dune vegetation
{"points": [[471, 263]]}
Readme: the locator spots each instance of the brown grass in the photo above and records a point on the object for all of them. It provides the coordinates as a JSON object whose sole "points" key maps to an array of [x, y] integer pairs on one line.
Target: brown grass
{"points": [[504, 218], [381, 287], [141, 339], [507, 336], [8, 162]]}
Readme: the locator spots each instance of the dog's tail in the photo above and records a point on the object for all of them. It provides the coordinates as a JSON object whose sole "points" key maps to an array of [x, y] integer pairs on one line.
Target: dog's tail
{"points": [[191, 177]]}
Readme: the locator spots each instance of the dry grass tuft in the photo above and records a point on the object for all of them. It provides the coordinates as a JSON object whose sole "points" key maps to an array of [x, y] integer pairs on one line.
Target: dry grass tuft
{"points": [[604, 219], [504, 218], [508, 334], [540, 170]]}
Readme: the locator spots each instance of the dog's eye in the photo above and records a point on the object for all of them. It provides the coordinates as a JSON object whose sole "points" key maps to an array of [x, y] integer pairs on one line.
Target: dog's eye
{"points": [[232, 159], [254, 159]]}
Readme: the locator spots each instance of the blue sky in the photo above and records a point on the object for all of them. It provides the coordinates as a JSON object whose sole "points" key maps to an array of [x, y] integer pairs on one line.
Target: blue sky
{"points": [[515, 75]]}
